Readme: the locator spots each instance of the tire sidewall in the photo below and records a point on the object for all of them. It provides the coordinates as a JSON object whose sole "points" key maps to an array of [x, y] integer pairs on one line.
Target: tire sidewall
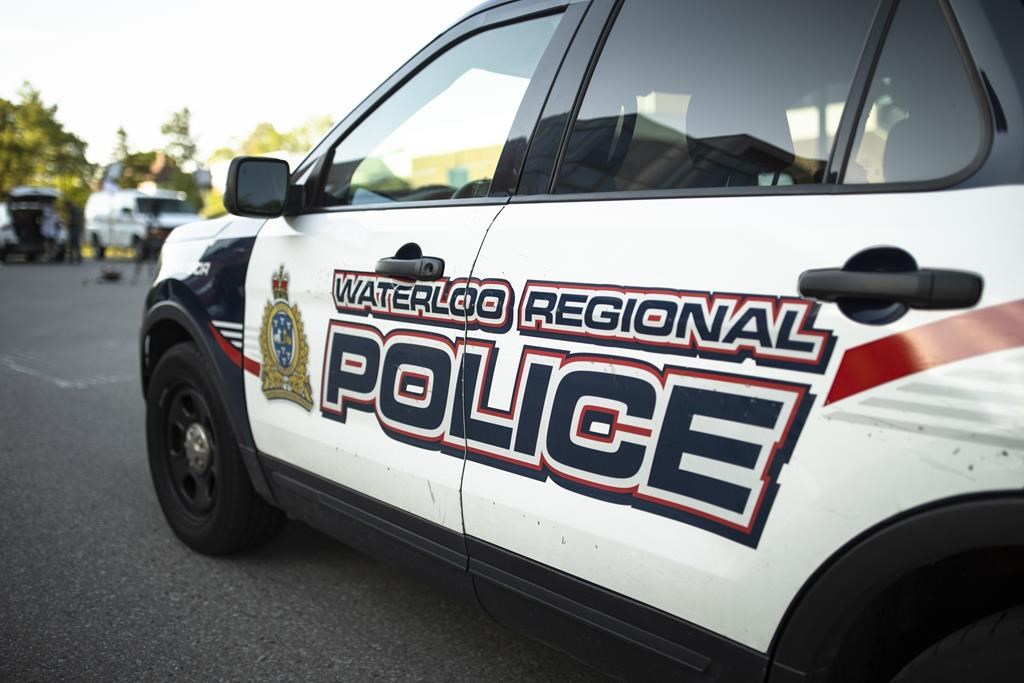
{"points": [[182, 366]]}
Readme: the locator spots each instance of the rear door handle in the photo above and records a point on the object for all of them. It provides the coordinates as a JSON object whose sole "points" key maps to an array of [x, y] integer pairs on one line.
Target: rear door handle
{"points": [[421, 268], [925, 288]]}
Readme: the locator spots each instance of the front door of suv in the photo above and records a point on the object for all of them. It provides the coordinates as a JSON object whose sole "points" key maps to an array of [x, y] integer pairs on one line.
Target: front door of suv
{"points": [[656, 423], [356, 309]]}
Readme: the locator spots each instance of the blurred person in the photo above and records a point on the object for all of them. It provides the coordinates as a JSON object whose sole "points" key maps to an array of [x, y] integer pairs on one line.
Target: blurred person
{"points": [[50, 229], [150, 245], [75, 225]]}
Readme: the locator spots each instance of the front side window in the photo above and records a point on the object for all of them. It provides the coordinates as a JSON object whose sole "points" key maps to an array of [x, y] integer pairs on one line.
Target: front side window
{"points": [[731, 93], [440, 135], [921, 119]]}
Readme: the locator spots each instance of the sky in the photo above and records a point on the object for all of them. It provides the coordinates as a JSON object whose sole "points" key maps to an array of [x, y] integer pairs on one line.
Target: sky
{"points": [[234, 64]]}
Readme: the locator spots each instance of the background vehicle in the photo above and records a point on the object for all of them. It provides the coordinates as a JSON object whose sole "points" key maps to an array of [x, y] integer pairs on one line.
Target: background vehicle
{"points": [[631, 346], [21, 224], [120, 218]]}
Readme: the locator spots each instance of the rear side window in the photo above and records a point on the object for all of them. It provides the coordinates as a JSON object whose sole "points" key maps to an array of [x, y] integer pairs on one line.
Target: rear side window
{"points": [[731, 93], [921, 119]]}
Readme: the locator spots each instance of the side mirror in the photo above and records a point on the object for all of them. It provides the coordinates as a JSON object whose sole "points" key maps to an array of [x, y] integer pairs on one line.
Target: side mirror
{"points": [[256, 187]]}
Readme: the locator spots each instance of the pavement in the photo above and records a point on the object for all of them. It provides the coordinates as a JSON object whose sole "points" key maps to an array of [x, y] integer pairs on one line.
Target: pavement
{"points": [[95, 587]]}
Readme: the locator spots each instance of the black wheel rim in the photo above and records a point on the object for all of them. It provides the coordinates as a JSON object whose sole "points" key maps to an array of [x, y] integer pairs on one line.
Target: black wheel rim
{"points": [[193, 477]]}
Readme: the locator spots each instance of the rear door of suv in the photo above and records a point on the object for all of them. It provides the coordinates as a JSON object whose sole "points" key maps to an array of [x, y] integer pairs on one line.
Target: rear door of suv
{"points": [[670, 433]]}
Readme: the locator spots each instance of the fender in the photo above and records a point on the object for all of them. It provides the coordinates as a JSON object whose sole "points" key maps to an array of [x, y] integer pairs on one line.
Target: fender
{"points": [[173, 301], [859, 572]]}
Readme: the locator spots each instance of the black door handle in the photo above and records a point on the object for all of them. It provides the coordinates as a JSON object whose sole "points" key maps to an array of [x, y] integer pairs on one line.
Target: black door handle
{"points": [[420, 268], [925, 288]]}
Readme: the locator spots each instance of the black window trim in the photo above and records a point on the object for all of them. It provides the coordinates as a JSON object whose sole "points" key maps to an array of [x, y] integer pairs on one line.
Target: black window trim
{"points": [[866, 64], [473, 24]]}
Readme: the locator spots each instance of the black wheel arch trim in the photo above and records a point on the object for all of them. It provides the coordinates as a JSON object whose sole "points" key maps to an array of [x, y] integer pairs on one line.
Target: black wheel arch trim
{"points": [[176, 304], [872, 561]]}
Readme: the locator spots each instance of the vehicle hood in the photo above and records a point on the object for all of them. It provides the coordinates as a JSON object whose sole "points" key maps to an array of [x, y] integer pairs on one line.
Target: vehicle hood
{"points": [[173, 220], [225, 226]]}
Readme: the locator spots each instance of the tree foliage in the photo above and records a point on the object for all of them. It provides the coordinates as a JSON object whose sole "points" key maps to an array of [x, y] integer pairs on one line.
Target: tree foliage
{"points": [[181, 146], [35, 148], [265, 138]]}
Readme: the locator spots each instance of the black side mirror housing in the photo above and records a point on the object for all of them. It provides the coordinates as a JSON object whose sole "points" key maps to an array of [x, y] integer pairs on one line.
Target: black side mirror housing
{"points": [[257, 187]]}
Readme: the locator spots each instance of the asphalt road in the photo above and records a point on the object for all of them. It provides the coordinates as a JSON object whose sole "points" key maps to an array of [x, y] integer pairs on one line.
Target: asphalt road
{"points": [[93, 584]]}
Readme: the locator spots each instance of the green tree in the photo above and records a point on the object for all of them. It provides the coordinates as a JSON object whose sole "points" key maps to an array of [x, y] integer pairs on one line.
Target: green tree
{"points": [[137, 168], [35, 148], [181, 157], [181, 146], [121, 149], [263, 139], [303, 138]]}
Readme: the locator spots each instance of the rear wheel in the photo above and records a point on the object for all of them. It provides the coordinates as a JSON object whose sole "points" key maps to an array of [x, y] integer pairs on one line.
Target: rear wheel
{"points": [[198, 473], [990, 650]]}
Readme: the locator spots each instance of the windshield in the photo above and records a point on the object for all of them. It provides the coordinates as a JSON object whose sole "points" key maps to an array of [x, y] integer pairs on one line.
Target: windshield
{"points": [[153, 205]]}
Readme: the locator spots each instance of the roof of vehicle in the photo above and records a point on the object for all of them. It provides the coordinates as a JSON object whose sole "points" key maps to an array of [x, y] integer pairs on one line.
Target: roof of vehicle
{"points": [[483, 7], [26, 191]]}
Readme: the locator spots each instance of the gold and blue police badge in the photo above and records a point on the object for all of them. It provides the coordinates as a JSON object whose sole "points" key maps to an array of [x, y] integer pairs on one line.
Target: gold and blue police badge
{"points": [[283, 345]]}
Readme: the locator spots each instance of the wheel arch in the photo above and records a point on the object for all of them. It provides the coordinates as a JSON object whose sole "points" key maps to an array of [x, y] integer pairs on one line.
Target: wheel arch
{"points": [[173, 317], [903, 584]]}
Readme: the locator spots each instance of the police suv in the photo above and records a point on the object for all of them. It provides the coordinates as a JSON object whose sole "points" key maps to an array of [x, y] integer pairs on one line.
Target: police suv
{"points": [[687, 337]]}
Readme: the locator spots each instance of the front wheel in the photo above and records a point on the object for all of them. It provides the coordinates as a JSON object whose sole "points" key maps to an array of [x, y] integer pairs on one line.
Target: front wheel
{"points": [[990, 650], [198, 474]]}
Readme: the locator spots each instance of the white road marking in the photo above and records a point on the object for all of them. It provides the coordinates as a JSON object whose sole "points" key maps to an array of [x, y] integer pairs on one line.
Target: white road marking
{"points": [[13, 365]]}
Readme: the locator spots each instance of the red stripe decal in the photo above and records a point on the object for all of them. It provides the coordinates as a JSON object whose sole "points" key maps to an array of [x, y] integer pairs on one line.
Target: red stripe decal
{"points": [[233, 354], [251, 366], [922, 348]]}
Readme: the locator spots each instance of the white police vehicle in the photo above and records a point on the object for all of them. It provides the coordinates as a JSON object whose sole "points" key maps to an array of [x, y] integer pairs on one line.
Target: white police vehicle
{"points": [[687, 337]]}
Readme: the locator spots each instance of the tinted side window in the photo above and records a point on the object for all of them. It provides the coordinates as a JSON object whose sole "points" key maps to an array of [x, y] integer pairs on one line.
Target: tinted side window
{"points": [[440, 135], [921, 119], [691, 94]]}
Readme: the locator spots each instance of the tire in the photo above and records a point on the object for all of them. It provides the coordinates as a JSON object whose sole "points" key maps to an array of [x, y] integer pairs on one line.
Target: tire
{"points": [[990, 651], [198, 474]]}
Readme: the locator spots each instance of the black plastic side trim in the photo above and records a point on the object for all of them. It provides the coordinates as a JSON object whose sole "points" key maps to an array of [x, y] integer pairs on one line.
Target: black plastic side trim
{"points": [[865, 566], [623, 635], [432, 552]]}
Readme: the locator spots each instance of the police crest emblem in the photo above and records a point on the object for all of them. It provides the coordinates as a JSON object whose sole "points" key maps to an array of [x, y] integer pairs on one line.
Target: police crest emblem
{"points": [[284, 373]]}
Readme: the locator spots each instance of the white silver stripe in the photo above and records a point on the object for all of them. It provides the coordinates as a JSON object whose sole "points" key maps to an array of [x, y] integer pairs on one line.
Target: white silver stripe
{"points": [[939, 390], [232, 334], [988, 375], [228, 324], [930, 430], [938, 411]]}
